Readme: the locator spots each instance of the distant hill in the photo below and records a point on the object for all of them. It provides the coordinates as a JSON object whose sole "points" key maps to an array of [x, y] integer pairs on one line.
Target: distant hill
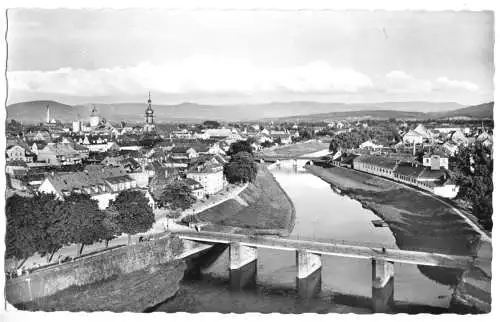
{"points": [[34, 112], [482, 111]]}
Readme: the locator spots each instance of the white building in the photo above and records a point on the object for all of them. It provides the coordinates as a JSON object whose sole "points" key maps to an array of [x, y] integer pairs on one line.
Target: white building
{"points": [[210, 176]]}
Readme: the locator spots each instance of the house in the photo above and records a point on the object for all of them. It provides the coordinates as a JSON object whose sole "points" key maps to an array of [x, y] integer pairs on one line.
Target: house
{"points": [[435, 160], [375, 164], [413, 137], [100, 182], [196, 188], [60, 154], [281, 136], [408, 172], [19, 152], [184, 153], [457, 137], [485, 139], [370, 145], [210, 175]]}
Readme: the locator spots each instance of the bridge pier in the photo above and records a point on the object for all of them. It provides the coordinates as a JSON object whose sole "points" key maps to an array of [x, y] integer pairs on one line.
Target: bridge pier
{"points": [[308, 279], [242, 266], [382, 285]]}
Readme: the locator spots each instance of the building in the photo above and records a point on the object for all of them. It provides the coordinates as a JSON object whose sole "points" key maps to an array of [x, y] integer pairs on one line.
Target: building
{"points": [[19, 152], [60, 154], [94, 118], [210, 175], [370, 145], [435, 161], [196, 188], [77, 126], [183, 153], [100, 182], [376, 164], [149, 127]]}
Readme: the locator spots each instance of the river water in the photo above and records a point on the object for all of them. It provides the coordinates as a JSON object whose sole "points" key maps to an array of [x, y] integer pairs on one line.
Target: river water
{"points": [[322, 215]]}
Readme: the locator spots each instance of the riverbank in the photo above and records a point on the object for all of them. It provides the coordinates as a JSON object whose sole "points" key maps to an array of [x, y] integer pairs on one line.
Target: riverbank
{"points": [[418, 221], [295, 149], [262, 208]]}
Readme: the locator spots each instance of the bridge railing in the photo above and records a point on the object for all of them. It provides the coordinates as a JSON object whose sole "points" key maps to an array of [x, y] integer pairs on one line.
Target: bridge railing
{"points": [[378, 245]]}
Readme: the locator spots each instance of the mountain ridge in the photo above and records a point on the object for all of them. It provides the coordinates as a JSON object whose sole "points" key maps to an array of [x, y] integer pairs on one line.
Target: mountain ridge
{"points": [[34, 111]]}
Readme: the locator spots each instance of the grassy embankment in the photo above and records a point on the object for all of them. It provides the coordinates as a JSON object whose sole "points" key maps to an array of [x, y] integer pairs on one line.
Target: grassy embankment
{"points": [[297, 149], [418, 222], [262, 208]]}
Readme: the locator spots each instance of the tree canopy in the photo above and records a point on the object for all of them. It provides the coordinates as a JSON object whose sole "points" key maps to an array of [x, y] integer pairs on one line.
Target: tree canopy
{"points": [[240, 146], [474, 174], [241, 168], [135, 214], [211, 124], [177, 195]]}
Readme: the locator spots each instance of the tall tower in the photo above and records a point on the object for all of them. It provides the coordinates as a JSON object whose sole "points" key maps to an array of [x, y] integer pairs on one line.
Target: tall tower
{"points": [[47, 118], [94, 117], [149, 116]]}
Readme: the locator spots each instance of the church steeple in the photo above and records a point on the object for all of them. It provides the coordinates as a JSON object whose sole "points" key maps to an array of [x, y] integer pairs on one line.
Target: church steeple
{"points": [[149, 116]]}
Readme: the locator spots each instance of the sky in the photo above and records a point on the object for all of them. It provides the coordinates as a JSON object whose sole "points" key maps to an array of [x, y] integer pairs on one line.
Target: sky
{"points": [[230, 57]]}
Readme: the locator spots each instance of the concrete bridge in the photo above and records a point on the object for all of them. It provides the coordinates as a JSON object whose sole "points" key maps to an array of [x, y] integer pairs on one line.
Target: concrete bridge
{"points": [[243, 261], [275, 158]]}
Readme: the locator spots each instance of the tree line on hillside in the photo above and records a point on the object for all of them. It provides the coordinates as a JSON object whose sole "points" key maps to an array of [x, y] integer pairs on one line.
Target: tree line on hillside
{"points": [[44, 224]]}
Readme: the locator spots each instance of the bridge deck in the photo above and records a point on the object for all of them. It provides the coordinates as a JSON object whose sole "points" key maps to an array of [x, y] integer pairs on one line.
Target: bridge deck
{"points": [[336, 249], [284, 157]]}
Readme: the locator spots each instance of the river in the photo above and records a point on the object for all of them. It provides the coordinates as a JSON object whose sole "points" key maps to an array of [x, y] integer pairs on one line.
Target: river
{"points": [[322, 215]]}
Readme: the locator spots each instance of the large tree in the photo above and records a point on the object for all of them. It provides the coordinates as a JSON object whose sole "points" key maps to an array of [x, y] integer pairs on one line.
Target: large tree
{"points": [[177, 195], [85, 221], [240, 146], [49, 221], [241, 168], [21, 238], [136, 216]]}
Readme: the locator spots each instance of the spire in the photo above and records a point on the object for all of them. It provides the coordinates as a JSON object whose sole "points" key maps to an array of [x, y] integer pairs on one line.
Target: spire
{"points": [[48, 114], [149, 97]]}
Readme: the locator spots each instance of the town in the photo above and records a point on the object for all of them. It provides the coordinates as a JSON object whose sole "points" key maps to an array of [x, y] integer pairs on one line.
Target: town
{"points": [[181, 168]]}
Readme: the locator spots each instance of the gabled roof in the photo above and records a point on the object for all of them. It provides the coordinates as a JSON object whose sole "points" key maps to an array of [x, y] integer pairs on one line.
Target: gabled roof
{"points": [[429, 174], [409, 169], [92, 175], [180, 149], [380, 161]]}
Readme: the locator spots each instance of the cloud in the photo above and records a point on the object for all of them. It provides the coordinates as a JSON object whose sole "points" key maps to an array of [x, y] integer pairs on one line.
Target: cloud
{"points": [[196, 74], [400, 82], [220, 76]]}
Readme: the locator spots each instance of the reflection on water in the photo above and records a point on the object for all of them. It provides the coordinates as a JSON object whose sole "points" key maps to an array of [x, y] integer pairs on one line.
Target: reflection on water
{"points": [[323, 215]]}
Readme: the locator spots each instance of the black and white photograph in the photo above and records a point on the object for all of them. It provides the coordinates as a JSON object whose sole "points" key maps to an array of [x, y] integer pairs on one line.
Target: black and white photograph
{"points": [[218, 160]]}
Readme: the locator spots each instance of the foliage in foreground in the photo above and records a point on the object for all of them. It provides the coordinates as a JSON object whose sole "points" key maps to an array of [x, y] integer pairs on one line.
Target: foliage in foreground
{"points": [[474, 175]]}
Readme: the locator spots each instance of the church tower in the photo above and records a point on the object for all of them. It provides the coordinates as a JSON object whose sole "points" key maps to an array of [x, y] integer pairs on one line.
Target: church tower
{"points": [[149, 116], [47, 117]]}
